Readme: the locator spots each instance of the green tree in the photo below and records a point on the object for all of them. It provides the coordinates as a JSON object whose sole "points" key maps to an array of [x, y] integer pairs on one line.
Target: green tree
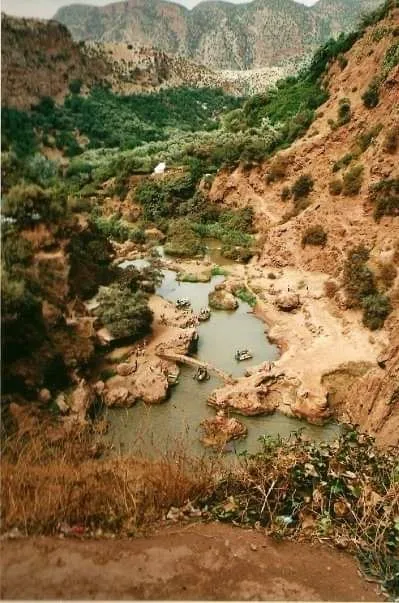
{"points": [[125, 313]]}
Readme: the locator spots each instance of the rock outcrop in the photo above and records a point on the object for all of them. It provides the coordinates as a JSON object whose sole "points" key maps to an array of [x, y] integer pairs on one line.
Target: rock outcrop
{"points": [[287, 302], [221, 429], [221, 299]]}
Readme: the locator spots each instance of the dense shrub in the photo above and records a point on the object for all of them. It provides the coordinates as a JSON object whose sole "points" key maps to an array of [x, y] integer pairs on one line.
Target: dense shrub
{"points": [[41, 171], [352, 180], [371, 96], [125, 313], [182, 240], [146, 279], [343, 162], [314, 235], [335, 186], [385, 196], [344, 111], [364, 139], [90, 254], [391, 140], [391, 59], [75, 86], [285, 193], [23, 329], [361, 290], [31, 203], [376, 308], [359, 280], [302, 186], [119, 230], [16, 251]]}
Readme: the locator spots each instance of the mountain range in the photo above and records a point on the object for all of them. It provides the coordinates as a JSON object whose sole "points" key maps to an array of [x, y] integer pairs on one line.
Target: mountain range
{"points": [[261, 33]]}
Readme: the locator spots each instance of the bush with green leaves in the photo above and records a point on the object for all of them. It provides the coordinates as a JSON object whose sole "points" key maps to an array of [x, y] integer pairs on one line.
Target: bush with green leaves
{"points": [[75, 86], [361, 289], [371, 96], [376, 308], [90, 255], [335, 186], [21, 317], [352, 180], [41, 171], [118, 230], [246, 296], [302, 186], [391, 140], [391, 59], [344, 111], [29, 203], [147, 279], [16, 251], [343, 162], [125, 313], [314, 235], [359, 280], [385, 197], [182, 240], [364, 139]]}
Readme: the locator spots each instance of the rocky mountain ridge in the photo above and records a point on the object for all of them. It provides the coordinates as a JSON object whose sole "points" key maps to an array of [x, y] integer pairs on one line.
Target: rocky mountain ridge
{"points": [[40, 58], [261, 33]]}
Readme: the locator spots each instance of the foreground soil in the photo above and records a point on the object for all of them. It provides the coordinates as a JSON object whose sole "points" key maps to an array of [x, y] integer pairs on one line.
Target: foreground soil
{"points": [[211, 562]]}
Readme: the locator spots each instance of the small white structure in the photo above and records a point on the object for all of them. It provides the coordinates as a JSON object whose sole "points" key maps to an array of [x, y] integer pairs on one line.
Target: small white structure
{"points": [[160, 168]]}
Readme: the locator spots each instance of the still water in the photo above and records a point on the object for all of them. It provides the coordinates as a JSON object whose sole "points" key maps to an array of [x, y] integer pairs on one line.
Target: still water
{"points": [[152, 430]]}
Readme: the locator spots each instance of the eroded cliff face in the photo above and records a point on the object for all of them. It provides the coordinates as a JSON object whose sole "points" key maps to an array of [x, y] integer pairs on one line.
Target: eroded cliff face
{"points": [[364, 391], [40, 59], [371, 399]]}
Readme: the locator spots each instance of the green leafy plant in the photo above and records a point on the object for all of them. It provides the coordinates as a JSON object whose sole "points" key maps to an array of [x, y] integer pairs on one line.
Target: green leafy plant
{"points": [[335, 186], [125, 313], [352, 180], [371, 96], [302, 186]]}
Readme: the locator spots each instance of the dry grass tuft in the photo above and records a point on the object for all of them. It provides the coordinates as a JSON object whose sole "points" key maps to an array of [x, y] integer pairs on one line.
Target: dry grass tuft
{"points": [[45, 484]]}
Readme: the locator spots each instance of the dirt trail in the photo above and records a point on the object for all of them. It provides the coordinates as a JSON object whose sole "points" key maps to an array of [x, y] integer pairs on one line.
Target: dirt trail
{"points": [[211, 562]]}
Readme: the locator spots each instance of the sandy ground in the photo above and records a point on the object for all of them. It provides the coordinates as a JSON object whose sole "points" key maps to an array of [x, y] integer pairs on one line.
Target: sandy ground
{"points": [[318, 337], [211, 562]]}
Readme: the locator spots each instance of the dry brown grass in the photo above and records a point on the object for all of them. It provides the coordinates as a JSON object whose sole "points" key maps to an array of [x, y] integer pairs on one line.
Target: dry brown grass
{"points": [[45, 484]]}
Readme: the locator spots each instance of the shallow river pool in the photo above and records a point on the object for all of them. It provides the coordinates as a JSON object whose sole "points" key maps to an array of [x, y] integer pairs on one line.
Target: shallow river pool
{"points": [[152, 430]]}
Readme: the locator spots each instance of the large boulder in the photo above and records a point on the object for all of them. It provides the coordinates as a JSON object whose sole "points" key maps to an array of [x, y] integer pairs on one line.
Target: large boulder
{"points": [[221, 299], [287, 302], [149, 382], [183, 342], [119, 395], [244, 398], [221, 429]]}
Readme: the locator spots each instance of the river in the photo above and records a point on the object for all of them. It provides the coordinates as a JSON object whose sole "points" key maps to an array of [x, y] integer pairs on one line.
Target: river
{"points": [[152, 430]]}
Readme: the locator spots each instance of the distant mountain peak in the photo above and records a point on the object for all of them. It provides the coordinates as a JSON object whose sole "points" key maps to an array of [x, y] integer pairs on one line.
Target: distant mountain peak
{"points": [[219, 34]]}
